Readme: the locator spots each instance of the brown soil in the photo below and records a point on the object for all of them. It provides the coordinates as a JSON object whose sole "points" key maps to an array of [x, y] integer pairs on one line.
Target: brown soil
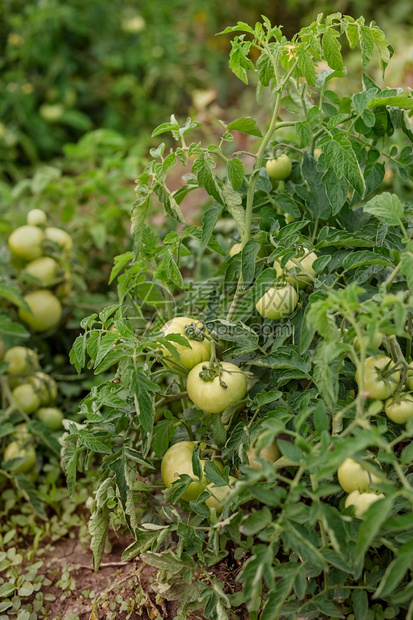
{"points": [[87, 595]]}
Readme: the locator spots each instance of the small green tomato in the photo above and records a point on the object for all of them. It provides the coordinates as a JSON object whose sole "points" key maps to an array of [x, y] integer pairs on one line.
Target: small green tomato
{"points": [[278, 303], [303, 277], [279, 168], [218, 494], [361, 501]]}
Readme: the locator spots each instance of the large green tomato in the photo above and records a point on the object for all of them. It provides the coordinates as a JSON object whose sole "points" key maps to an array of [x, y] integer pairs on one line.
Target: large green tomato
{"points": [[36, 217], [216, 395], [45, 387], [46, 310], [199, 351], [353, 477], [60, 237], [17, 450], [279, 168], [379, 388], [302, 279], [45, 269], [52, 417], [21, 360], [178, 460], [269, 453], [218, 494], [26, 242], [399, 409], [26, 397], [277, 303], [361, 501]]}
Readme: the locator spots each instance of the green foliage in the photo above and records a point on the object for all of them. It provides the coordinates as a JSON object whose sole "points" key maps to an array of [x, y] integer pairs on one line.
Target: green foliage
{"points": [[284, 531]]}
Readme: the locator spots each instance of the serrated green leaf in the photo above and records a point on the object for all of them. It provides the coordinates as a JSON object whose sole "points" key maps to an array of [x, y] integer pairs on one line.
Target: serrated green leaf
{"points": [[367, 45], [236, 173], [247, 125], [386, 207], [331, 49]]}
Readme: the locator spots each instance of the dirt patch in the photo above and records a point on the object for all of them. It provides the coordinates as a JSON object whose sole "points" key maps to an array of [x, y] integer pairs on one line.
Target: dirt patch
{"points": [[119, 590]]}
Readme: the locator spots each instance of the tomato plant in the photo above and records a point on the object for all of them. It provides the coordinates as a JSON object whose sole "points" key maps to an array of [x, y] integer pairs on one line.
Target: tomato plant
{"points": [[309, 374]]}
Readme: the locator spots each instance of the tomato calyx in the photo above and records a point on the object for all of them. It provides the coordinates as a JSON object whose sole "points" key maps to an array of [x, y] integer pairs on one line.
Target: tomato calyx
{"points": [[209, 373], [194, 332]]}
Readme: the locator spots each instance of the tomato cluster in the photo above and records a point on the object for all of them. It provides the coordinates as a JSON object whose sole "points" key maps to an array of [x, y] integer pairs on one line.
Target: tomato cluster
{"points": [[211, 385], [41, 255], [31, 395]]}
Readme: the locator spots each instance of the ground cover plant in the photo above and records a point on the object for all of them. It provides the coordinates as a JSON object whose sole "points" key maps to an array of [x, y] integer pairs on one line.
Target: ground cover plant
{"points": [[254, 436]]}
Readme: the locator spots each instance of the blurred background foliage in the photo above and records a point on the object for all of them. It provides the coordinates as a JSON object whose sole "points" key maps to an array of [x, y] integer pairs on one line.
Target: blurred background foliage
{"points": [[83, 84], [69, 67]]}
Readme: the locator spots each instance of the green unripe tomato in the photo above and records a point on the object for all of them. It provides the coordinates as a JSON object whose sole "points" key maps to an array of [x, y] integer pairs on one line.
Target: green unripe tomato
{"points": [[399, 409], [59, 359], [51, 112], [45, 387], [46, 310], [26, 397], [218, 494], [177, 460], [216, 395], [52, 417], [278, 303], [45, 269], [16, 450], [36, 217], [361, 501], [269, 453], [236, 249], [379, 388], [353, 477], [279, 168], [199, 350], [303, 278], [21, 360], [26, 242], [372, 344], [60, 237]]}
